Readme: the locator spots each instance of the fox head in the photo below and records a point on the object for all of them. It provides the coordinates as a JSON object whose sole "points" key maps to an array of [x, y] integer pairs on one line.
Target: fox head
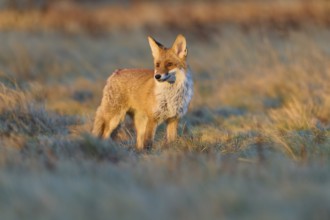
{"points": [[169, 61]]}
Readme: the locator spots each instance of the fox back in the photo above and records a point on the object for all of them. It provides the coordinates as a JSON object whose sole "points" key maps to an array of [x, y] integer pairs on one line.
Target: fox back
{"points": [[149, 96]]}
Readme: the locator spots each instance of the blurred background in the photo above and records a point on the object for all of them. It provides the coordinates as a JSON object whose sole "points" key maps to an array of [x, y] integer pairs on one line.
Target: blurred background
{"points": [[254, 144]]}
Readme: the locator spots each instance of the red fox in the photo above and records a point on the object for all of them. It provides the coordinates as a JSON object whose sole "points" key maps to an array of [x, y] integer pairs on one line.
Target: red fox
{"points": [[151, 97]]}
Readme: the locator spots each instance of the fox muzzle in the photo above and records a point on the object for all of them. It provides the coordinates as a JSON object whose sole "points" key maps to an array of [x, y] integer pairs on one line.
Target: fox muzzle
{"points": [[162, 77], [169, 76]]}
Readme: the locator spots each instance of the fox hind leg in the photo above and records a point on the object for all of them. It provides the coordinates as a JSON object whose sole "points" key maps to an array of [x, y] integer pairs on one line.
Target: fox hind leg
{"points": [[112, 122], [140, 123], [150, 133], [99, 125]]}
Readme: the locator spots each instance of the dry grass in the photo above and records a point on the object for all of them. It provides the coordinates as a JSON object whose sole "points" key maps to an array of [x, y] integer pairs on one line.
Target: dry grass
{"points": [[72, 17], [254, 145]]}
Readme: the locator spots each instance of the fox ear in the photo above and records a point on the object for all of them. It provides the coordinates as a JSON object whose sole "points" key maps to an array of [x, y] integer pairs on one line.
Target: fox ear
{"points": [[180, 46], [155, 46]]}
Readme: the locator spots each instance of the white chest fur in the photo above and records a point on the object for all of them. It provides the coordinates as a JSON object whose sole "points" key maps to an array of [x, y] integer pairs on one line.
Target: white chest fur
{"points": [[173, 99]]}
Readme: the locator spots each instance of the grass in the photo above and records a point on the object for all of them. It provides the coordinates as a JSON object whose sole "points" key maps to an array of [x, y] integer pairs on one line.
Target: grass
{"points": [[255, 143], [198, 16]]}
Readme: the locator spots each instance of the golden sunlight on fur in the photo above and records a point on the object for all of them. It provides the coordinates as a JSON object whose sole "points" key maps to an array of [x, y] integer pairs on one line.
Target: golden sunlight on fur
{"points": [[151, 97]]}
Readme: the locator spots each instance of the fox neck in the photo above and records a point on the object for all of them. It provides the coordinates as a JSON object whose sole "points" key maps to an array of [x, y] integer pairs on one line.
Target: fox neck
{"points": [[173, 98]]}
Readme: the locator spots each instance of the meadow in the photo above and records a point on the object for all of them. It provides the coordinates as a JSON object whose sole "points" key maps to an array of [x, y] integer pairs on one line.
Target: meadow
{"points": [[255, 143]]}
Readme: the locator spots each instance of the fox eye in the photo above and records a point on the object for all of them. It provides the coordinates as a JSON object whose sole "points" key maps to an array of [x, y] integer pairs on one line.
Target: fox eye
{"points": [[157, 64], [169, 64]]}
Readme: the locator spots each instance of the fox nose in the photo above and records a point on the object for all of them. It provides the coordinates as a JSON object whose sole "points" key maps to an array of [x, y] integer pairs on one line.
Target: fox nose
{"points": [[158, 76]]}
